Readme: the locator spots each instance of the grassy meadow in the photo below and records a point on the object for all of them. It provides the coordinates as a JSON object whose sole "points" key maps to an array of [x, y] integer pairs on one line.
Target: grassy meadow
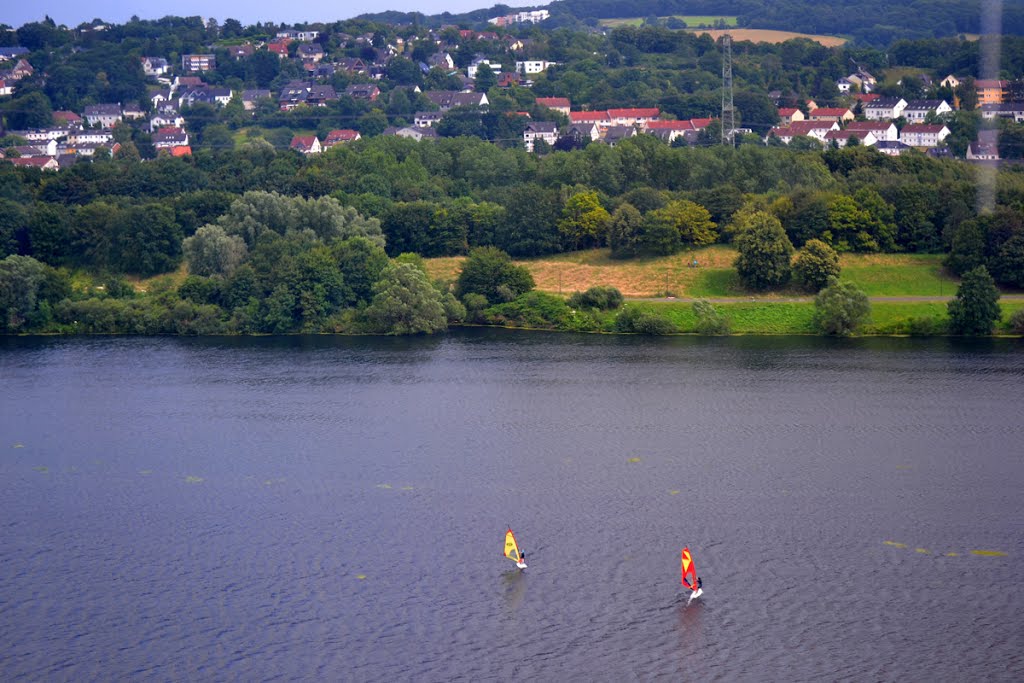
{"points": [[788, 311], [758, 35]]}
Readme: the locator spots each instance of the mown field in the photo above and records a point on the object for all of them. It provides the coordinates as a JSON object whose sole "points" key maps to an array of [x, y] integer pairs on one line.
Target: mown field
{"points": [[713, 276], [758, 35], [689, 19]]}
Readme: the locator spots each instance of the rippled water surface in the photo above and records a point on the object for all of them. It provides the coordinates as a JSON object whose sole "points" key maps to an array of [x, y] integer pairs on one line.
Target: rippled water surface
{"points": [[334, 509]]}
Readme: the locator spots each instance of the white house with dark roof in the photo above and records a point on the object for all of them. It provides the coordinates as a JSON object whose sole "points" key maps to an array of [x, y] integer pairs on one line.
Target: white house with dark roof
{"points": [[446, 99], [425, 119], [1003, 110], [540, 130], [105, 115], [885, 109], [841, 138], [923, 134], [917, 111]]}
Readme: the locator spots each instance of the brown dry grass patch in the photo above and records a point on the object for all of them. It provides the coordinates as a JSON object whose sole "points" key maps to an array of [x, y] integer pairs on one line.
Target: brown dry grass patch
{"points": [[758, 35]]}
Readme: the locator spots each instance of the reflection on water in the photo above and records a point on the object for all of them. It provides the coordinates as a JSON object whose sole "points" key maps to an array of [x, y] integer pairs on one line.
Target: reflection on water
{"points": [[321, 508]]}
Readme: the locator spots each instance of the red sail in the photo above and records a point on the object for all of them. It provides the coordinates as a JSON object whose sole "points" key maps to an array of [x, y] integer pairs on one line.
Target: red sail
{"points": [[688, 570]]}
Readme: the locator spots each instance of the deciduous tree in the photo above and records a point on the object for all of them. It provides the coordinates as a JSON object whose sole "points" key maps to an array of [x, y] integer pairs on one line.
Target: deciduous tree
{"points": [[976, 307]]}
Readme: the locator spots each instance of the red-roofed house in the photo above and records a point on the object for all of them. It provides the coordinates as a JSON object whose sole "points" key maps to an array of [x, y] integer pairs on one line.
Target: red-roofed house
{"points": [[43, 163], [68, 117], [841, 114], [790, 114], [337, 137], [813, 129], [279, 47], [923, 134], [598, 117], [307, 144], [700, 124], [557, 103], [181, 151], [864, 98], [884, 131], [632, 117]]}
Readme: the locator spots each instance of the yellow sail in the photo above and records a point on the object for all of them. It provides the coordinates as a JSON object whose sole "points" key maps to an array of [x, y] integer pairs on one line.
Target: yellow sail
{"points": [[511, 547]]}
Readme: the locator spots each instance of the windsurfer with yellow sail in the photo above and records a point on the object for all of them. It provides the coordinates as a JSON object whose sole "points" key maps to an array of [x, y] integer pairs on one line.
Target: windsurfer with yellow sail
{"points": [[512, 550]]}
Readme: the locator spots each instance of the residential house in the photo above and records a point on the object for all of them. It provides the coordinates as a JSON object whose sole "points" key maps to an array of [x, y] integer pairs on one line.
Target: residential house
{"points": [[293, 95], [668, 131], [893, 148], [917, 111], [788, 115], [44, 148], [844, 85], [985, 148], [813, 129], [155, 66], [311, 52], [279, 48], [320, 95], [1004, 110], [166, 115], [133, 111], [6, 87], [923, 134], [840, 114], [885, 109], [238, 52], [559, 104], [307, 144], [598, 118], [446, 99], [67, 118], [182, 82], [990, 91], [22, 69], [511, 78], [43, 135], [105, 115], [529, 67], [204, 62], [218, 97], [841, 138], [613, 135], [169, 137], [950, 81], [363, 91], [413, 132], [883, 131], [633, 117], [42, 163], [352, 65], [158, 97], [425, 119], [441, 60], [11, 53], [91, 137], [251, 97], [582, 133], [338, 137], [539, 130], [862, 80], [302, 36]]}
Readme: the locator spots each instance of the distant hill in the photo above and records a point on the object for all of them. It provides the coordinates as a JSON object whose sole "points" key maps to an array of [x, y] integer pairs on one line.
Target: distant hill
{"points": [[875, 22]]}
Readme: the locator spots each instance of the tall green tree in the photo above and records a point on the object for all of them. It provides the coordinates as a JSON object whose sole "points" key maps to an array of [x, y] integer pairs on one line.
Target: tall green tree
{"points": [[764, 252], [975, 309], [625, 231], [489, 272], [584, 222], [405, 302]]}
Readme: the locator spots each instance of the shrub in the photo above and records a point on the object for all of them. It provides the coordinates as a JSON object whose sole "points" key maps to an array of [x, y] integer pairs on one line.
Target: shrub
{"points": [[927, 327], [840, 308], [709, 320], [639, 321], [1017, 321], [533, 309], [815, 263], [600, 297]]}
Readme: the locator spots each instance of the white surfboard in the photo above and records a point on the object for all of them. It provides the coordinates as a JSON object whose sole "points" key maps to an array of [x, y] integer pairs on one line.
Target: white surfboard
{"points": [[695, 594], [521, 565]]}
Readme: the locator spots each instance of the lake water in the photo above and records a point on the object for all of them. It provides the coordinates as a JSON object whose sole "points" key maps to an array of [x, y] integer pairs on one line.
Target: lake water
{"points": [[320, 508]]}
